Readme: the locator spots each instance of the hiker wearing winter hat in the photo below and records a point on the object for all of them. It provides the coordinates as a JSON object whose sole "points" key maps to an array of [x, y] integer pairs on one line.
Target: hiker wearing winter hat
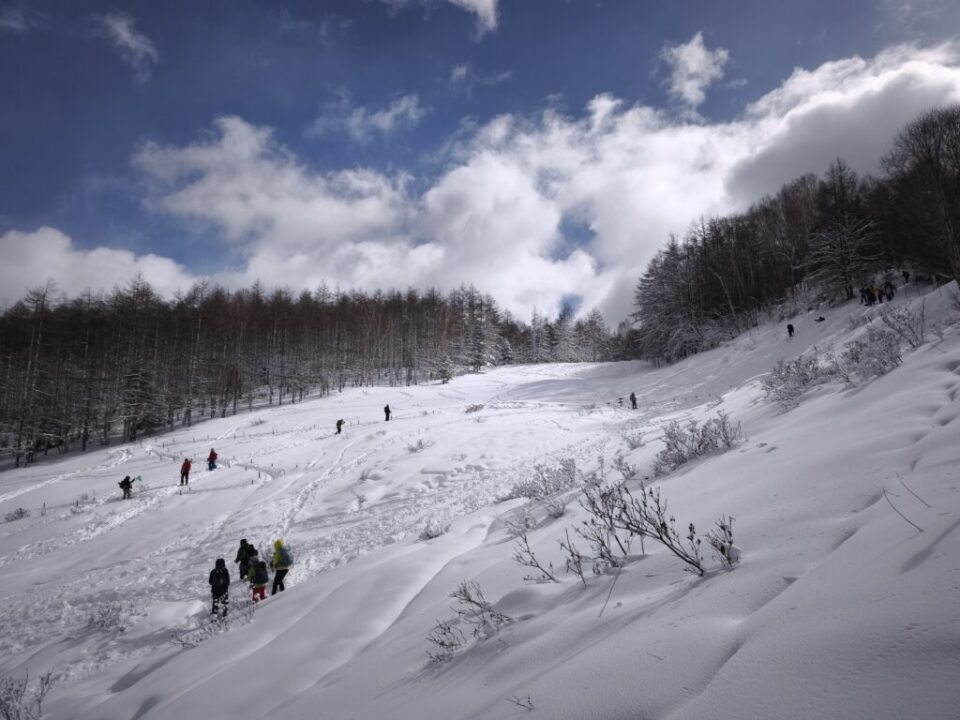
{"points": [[281, 563], [220, 587], [244, 553]]}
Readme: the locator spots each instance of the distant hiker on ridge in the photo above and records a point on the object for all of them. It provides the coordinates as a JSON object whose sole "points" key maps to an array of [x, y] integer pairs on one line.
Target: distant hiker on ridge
{"points": [[386, 412], [790, 329], [339, 426], [185, 472], [212, 460], [244, 554], [633, 400], [126, 485], [220, 587], [281, 563]]}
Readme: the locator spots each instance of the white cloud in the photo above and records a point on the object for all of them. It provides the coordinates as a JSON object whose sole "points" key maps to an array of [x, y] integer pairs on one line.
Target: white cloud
{"points": [[693, 68], [14, 18], [136, 49], [465, 77], [532, 209], [361, 123], [485, 10], [33, 258]]}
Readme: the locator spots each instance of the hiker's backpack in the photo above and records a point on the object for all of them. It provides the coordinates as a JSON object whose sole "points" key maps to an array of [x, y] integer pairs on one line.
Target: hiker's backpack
{"points": [[286, 559]]}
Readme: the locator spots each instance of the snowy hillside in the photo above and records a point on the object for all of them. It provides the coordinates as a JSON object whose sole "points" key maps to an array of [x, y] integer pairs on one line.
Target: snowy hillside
{"points": [[838, 608]]}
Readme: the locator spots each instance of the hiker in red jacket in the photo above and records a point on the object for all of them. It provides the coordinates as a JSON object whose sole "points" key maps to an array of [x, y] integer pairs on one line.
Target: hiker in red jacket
{"points": [[212, 460], [185, 472]]}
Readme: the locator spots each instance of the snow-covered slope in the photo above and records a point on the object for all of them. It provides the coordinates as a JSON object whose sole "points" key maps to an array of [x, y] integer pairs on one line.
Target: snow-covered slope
{"points": [[839, 607]]}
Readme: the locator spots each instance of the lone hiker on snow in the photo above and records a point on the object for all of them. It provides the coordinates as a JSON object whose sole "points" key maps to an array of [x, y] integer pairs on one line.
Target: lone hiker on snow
{"points": [[386, 412], [212, 460], [281, 563], [126, 485], [185, 472], [220, 587], [633, 400], [244, 555], [790, 329], [339, 426]]}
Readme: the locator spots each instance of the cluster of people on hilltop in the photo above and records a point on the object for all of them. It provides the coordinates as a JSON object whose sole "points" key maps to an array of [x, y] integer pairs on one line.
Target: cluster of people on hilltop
{"points": [[871, 294], [253, 570]]}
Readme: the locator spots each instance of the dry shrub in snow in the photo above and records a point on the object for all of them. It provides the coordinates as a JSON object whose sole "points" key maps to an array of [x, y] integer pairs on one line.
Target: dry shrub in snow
{"points": [[615, 513], [633, 437], [555, 507], [17, 514], [523, 555], [445, 639], [419, 446], [473, 408], [909, 326], [877, 353], [433, 529], [547, 480], [473, 610], [686, 443], [720, 538], [19, 700], [106, 617], [627, 471], [790, 379]]}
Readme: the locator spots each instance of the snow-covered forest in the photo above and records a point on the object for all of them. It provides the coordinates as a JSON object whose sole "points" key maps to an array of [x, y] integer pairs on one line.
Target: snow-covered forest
{"points": [[815, 238], [93, 370]]}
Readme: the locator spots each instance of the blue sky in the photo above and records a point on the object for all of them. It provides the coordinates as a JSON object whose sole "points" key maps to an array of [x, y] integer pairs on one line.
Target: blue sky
{"points": [[539, 149]]}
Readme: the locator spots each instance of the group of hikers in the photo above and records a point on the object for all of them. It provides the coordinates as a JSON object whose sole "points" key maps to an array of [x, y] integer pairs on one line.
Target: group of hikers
{"points": [[253, 570], [386, 416], [871, 295], [127, 483], [188, 465]]}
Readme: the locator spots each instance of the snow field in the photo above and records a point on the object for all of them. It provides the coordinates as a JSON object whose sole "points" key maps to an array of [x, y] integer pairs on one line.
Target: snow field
{"points": [[839, 607]]}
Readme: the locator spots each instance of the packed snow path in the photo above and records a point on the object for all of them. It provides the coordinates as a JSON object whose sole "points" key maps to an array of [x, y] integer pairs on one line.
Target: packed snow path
{"points": [[839, 608]]}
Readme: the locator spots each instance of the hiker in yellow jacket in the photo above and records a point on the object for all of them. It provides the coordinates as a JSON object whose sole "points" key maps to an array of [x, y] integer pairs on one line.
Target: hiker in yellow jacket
{"points": [[281, 563]]}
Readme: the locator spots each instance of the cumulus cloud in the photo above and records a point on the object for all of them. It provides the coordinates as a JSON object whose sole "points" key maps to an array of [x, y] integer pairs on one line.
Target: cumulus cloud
{"points": [[362, 123], [33, 258], [693, 68], [136, 49], [848, 108], [530, 209]]}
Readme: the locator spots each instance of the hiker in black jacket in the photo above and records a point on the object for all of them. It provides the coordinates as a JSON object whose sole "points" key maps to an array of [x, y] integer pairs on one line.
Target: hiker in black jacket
{"points": [[220, 587], [244, 553]]}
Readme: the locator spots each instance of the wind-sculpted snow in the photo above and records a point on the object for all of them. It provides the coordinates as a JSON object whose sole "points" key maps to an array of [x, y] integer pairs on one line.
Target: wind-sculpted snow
{"points": [[835, 591]]}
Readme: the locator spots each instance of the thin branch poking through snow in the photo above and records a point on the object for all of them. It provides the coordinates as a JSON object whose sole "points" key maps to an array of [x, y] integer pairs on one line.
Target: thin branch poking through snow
{"points": [[912, 492], [919, 529]]}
